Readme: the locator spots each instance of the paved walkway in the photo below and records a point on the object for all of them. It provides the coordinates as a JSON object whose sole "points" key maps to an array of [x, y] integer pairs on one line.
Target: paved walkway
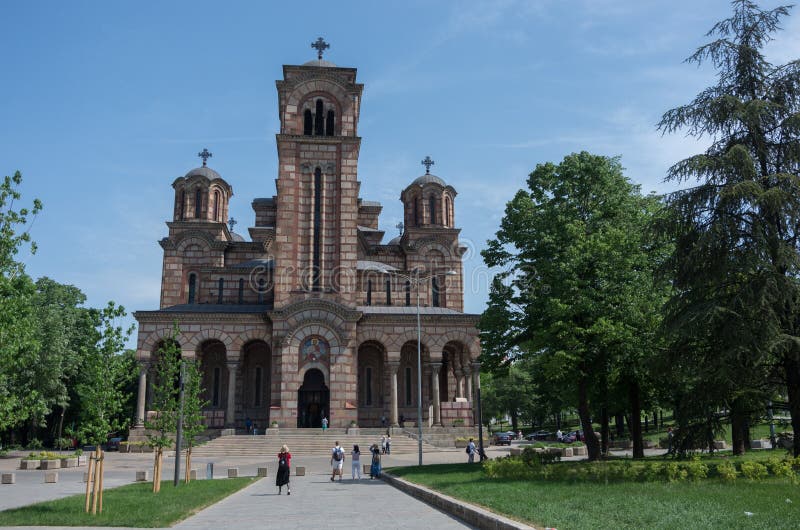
{"points": [[315, 501]]}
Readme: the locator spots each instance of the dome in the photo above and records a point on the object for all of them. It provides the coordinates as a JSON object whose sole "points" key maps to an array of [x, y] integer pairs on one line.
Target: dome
{"points": [[236, 237], [320, 62], [428, 179], [204, 171], [395, 241]]}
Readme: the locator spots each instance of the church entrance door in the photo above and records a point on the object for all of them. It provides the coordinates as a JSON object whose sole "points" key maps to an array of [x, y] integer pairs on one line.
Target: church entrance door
{"points": [[312, 400]]}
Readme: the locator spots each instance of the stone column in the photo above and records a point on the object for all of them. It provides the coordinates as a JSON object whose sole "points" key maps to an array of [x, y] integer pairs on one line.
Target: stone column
{"points": [[140, 398], [437, 405], [230, 410], [459, 383], [394, 366], [468, 383]]}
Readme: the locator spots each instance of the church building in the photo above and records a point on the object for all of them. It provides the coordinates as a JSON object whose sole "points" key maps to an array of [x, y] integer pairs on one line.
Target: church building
{"points": [[312, 314]]}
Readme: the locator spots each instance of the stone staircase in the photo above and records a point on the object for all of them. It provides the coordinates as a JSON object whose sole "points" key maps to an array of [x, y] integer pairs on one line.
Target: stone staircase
{"points": [[306, 442]]}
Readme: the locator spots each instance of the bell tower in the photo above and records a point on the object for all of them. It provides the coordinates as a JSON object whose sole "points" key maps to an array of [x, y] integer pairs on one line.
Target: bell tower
{"points": [[317, 201]]}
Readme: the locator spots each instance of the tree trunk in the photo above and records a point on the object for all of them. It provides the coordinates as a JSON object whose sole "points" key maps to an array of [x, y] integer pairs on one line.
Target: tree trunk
{"points": [[655, 420], [514, 420], [605, 431], [619, 423], [636, 414], [792, 367], [737, 428], [592, 443]]}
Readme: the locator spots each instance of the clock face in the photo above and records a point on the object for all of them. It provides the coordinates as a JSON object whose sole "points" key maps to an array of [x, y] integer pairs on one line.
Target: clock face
{"points": [[314, 348]]}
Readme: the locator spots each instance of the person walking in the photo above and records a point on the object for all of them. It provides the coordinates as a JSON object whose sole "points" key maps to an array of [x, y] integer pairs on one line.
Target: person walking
{"points": [[355, 462], [383, 444], [471, 451], [670, 436], [388, 444], [325, 424], [375, 466], [337, 461], [284, 470]]}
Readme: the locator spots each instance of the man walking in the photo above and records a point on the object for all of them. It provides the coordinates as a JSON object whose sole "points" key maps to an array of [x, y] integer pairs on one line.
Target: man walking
{"points": [[471, 451], [337, 461]]}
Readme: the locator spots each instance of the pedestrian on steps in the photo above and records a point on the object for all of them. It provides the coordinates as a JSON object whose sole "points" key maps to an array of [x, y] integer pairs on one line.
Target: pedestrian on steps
{"points": [[325, 424], [284, 470]]}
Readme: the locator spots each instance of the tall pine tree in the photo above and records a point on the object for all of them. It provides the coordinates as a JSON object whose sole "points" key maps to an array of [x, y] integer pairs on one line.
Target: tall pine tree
{"points": [[736, 231]]}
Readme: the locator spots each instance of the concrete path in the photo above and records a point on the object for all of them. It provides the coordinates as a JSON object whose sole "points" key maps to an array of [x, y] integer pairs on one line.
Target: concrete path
{"points": [[317, 503]]}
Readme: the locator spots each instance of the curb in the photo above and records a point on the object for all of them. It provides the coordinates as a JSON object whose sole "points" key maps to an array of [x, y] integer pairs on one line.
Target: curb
{"points": [[470, 514]]}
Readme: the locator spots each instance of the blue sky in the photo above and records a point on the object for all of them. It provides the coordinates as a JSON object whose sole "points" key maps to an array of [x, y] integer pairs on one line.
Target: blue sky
{"points": [[104, 104]]}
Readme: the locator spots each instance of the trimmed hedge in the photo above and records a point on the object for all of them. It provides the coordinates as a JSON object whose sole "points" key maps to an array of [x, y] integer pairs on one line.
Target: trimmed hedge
{"points": [[530, 466]]}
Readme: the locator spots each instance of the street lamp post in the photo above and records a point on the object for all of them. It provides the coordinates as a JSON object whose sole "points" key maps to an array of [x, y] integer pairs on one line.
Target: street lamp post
{"points": [[416, 279]]}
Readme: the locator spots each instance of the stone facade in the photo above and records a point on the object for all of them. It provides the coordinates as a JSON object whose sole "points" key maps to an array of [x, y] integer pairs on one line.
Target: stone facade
{"points": [[316, 316]]}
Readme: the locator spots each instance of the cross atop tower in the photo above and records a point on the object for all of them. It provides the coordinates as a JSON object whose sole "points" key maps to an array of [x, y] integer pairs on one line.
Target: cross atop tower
{"points": [[231, 223], [321, 46], [428, 163], [205, 155]]}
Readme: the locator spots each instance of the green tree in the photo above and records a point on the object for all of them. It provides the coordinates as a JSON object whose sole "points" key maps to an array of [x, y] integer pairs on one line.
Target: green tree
{"points": [[577, 288], [18, 401], [193, 405], [105, 374], [162, 425], [736, 307]]}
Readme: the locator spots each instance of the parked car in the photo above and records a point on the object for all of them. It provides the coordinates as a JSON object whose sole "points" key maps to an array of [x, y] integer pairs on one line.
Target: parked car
{"points": [[538, 435], [113, 444], [501, 438], [511, 434]]}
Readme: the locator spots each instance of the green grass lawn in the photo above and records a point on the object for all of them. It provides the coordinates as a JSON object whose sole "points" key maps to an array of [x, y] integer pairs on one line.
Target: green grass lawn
{"points": [[132, 505], [774, 503]]}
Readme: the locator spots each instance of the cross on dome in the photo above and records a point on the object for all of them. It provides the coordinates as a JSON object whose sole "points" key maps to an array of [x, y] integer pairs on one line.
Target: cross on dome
{"points": [[205, 155], [320, 46], [231, 223], [428, 163]]}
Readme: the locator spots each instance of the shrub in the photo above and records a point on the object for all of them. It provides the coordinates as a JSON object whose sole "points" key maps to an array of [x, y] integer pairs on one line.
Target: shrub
{"points": [[726, 471], [780, 468], [652, 471], [508, 467], [754, 470], [674, 472], [696, 469], [34, 444]]}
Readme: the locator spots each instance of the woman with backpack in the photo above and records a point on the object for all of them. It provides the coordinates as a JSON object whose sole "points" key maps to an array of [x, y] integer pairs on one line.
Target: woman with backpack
{"points": [[284, 470]]}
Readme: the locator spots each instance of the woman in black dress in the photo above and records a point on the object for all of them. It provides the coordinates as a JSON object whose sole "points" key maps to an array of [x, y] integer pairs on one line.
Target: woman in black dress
{"points": [[284, 470]]}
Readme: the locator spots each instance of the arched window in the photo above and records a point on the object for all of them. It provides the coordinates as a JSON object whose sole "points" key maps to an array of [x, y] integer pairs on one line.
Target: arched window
{"points": [[317, 250], [181, 205], [192, 288], [329, 124], [447, 221], [241, 291], [198, 203], [319, 120], [369, 292], [408, 292], [434, 292], [215, 387], [220, 289], [432, 208], [216, 205], [416, 211], [388, 291], [308, 123]]}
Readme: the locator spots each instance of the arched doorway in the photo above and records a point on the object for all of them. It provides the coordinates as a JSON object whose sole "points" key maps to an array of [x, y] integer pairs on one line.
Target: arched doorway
{"points": [[312, 399]]}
